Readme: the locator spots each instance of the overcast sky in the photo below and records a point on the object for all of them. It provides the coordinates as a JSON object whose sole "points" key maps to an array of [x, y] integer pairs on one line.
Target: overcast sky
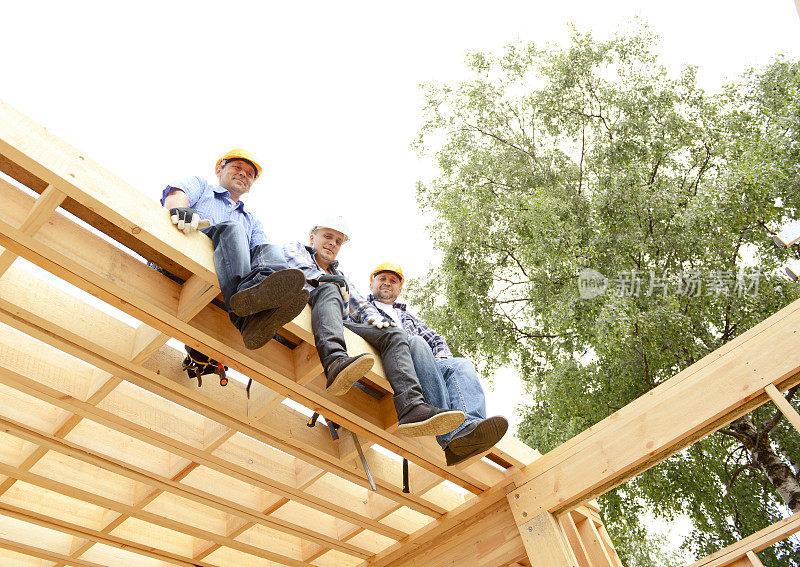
{"points": [[323, 93]]}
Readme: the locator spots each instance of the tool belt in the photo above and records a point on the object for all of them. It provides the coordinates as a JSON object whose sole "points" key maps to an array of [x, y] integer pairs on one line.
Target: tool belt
{"points": [[196, 364]]}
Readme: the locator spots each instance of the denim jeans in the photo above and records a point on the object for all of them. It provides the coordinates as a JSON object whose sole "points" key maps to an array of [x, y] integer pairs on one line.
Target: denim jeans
{"points": [[239, 266], [391, 342], [451, 384]]}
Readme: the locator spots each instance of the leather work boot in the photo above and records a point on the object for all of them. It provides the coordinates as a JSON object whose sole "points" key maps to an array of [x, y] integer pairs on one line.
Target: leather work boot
{"points": [[263, 325], [424, 419], [483, 437], [272, 292], [346, 371]]}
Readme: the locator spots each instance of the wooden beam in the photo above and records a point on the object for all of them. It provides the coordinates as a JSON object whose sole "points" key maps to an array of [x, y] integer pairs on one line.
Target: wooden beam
{"points": [[42, 208], [98, 196], [275, 429], [762, 539], [96, 536], [708, 395], [545, 541], [202, 457], [145, 477], [45, 554], [79, 494], [785, 407]]}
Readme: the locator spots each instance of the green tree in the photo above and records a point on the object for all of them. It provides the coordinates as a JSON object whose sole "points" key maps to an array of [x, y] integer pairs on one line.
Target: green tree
{"points": [[593, 156]]}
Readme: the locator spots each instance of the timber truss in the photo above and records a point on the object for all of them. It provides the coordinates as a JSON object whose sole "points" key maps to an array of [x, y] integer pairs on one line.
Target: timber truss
{"points": [[110, 455]]}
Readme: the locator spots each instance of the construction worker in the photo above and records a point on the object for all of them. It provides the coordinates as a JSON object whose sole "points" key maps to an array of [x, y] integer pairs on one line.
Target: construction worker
{"points": [[447, 381], [336, 304], [261, 293]]}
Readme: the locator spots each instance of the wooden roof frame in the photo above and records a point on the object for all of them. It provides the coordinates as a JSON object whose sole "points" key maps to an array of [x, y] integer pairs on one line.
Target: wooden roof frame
{"points": [[184, 475]]}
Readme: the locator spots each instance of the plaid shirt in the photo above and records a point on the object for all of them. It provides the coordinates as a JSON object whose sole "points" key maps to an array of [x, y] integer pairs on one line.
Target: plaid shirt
{"points": [[302, 257], [415, 327]]}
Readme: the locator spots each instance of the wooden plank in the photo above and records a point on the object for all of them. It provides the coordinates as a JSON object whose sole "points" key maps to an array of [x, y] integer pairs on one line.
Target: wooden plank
{"points": [[196, 293], [609, 545], [570, 528], [42, 208], [645, 432], [488, 539], [99, 197], [72, 492], [785, 407], [762, 539], [545, 542], [162, 385], [593, 544], [157, 481], [108, 419], [97, 536], [45, 554]]}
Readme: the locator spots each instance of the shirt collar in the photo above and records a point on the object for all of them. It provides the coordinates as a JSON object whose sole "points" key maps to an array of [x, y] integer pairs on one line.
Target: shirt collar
{"points": [[227, 195], [396, 304], [313, 251]]}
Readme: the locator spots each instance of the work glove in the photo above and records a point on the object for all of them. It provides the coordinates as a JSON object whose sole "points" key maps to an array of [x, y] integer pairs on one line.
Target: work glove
{"points": [[340, 281], [380, 322], [187, 219]]}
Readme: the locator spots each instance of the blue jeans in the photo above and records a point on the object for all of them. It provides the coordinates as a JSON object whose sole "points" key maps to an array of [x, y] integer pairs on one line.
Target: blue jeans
{"points": [[450, 384], [239, 266], [391, 342]]}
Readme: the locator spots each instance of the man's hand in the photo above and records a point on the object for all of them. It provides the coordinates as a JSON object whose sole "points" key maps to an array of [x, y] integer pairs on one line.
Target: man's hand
{"points": [[339, 281], [187, 219], [380, 322]]}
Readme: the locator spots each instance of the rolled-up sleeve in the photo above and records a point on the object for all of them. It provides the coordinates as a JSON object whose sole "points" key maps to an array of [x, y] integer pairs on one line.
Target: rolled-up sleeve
{"points": [[192, 186]]}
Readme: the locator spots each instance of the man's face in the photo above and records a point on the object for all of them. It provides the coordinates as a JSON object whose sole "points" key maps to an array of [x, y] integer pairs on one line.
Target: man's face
{"points": [[327, 243], [386, 287], [236, 176]]}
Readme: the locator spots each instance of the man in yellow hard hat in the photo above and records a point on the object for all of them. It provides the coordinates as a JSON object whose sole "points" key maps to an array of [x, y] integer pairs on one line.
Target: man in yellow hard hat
{"points": [[336, 304], [447, 381], [261, 293]]}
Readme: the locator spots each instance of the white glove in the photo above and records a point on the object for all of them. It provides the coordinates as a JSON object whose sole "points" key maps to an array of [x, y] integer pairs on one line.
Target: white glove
{"points": [[187, 219], [380, 322]]}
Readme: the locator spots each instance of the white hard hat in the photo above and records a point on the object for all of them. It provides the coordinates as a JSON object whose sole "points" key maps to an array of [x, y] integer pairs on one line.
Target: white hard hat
{"points": [[336, 223]]}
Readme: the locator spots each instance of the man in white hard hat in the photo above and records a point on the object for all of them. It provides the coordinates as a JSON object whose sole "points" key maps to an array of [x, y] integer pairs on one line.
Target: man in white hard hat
{"points": [[336, 304], [447, 381], [261, 293]]}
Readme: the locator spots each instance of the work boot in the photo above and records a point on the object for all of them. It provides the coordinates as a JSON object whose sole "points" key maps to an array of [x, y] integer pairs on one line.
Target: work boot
{"points": [[272, 292], [263, 325], [424, 419], [481, 438], [346, 371]]}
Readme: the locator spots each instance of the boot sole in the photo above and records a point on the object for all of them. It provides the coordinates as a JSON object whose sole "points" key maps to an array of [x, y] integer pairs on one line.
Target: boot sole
{"points": [[264, 328], [487, 433], [438, 424], [268, 294], [350, 374]]}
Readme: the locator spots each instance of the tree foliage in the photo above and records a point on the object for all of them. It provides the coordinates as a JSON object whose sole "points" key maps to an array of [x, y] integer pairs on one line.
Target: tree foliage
{"points": [[594, 156]]}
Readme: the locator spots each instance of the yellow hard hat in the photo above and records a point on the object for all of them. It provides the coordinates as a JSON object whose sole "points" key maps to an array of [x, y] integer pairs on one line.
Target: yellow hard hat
{"points": [[243, 154], [387, 267]]}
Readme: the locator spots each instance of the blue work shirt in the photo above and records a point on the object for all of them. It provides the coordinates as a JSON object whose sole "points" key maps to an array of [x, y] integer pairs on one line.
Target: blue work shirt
{"points": [[214, 203]]}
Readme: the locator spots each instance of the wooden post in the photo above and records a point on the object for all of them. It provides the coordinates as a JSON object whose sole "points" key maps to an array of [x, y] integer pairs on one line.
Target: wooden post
{"points": [[544, 540]]}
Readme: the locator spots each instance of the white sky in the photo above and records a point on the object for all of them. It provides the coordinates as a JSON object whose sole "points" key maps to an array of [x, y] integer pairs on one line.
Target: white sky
{"points": [[324, 93]]}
